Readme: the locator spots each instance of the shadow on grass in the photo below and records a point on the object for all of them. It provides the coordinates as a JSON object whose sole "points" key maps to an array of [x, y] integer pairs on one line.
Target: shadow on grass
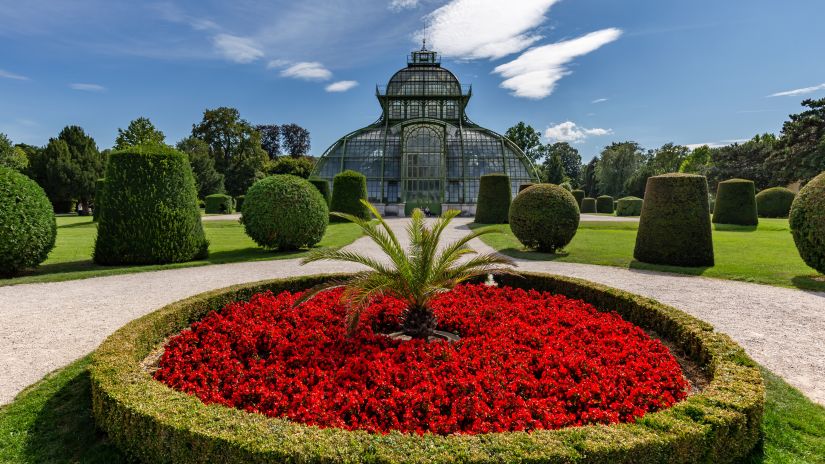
{"points": [[734, 228], [684, 270], [814, 283], [77, 224]]}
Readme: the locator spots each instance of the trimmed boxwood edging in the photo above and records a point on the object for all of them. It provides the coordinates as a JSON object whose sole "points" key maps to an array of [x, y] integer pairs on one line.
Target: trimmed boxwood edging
{"points": [[219, 203], [154, 423], [629, 206]]}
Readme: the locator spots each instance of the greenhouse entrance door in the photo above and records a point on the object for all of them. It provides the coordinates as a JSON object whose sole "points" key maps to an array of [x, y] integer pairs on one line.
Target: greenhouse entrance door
{"points": [[423, 168]]}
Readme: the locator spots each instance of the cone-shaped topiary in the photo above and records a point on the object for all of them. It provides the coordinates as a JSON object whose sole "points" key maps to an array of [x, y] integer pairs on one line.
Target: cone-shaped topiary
{"points": [[219, 203], [579, 195], [588, 205], [285, 212], [150, 212], [604, 204], [493, 205], [674, 227], [629, 206], [348, 189], [736, 203], [544, 217], [27, 225], [807, 220], [774, 202], [323, 186]]}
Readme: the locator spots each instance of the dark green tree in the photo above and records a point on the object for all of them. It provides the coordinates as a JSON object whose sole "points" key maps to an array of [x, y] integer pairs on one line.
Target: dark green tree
{"points": [[270, 139], [296, 140], [72, 166], [526, 138], [697, 161], [668, 158], [571, 160], [588, 181], [618, 162], [743, 160], [207, 179], [140, 131], [11, 156], [553, 169], [800, 154]]}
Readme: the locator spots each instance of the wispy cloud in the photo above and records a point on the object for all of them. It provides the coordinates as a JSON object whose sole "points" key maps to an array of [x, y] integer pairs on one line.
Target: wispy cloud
{"points": [[569, 131], [236, 48], [599, 100], [398, 5], [720, 143], [86, 87], [173, 13], [341, 86], [474, 29], [534, 74], [10, 75], [798, 92], [308, 70]]}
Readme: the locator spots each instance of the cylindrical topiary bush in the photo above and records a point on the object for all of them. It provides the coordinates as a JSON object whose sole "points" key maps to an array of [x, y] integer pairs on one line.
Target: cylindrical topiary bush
{"points": [[774, 202], [736, 203], [348, 189], [525, 186], [674, 227], [493, 204], [27, 225], [98, 205], [629, 206], [579, 195], [323, 186], [588, 205], [151, 213], [285, 212], [807, 220], [604, 204], [544, 217], [219, 203], [239, 202]]}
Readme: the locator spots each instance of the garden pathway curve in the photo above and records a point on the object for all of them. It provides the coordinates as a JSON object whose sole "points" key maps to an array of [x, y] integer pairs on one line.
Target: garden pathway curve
{"points": [[46, 326]]}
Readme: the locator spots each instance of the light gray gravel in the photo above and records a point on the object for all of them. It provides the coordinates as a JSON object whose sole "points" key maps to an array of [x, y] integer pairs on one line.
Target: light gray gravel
{"points": [[46, 326], [587, 217]]}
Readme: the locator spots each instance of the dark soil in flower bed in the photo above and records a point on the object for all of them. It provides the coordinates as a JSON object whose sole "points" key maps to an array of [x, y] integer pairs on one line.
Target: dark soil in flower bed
{"points": [[526, 360]]}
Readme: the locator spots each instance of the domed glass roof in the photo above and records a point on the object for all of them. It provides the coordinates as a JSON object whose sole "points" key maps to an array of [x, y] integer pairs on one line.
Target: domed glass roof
{"points": [[424, 81]]}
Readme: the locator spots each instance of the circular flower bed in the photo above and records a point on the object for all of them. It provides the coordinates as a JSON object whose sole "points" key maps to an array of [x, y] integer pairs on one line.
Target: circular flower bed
{"points": [[526, 360]]}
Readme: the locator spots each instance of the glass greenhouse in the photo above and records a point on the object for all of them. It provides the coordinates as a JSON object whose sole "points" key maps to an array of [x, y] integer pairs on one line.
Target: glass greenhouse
{"points": [[424, 151]]}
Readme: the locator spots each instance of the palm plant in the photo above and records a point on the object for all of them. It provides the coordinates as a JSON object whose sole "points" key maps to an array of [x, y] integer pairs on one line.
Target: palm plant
{"points": [[415, 275]]}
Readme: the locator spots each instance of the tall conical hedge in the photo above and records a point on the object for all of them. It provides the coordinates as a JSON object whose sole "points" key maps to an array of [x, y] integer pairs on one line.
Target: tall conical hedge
{"points": [[348, 189], [736, 203], [323, 186], [807, 222], [674, 227], [494, 197], [151, 210]]}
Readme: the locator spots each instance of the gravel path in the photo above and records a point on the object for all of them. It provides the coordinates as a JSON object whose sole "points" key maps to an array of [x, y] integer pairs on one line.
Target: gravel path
{"points": [[599, 218], [221, 217], [46, 326]]}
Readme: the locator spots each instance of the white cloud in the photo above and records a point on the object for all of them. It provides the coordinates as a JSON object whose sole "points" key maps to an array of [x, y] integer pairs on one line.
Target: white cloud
{"points": [[474, 29], [308, 70], [599, 100], [172, 13], [797, 92], [87, 87], [569, 131], [398, 5], [341, 86], [9, 75], [274, 64], [237, 49], [534, 74], [721, 143]]}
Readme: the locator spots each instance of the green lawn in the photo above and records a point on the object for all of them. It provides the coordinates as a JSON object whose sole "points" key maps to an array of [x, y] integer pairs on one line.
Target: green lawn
{"points": [[72, 254], [51, 422], [765, 254]]}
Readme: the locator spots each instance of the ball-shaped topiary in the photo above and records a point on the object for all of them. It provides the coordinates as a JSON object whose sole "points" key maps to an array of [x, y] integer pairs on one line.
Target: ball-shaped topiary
{"points": [[285, 212], [579, 195], [807, 220], [629, 206], [674, 227], [736, 203], [219, 203], [544, 217], [604, 204], [494, 196], [348, 189], [774, 202], [27, 225], [588, 205], [150, 213], [323, 186]]}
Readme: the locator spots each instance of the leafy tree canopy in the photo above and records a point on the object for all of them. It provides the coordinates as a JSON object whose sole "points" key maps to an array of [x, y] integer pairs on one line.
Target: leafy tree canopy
{"points": [[618, 162], [12, 157], [800, 155], [296, 140], [270, 139], [526, 138], [746, 160], [72, 165], [207, 179], [140, 131]]}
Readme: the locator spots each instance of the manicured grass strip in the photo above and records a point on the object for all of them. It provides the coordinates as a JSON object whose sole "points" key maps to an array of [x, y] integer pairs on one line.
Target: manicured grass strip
{"points": [[765, 254], [72, 255]]}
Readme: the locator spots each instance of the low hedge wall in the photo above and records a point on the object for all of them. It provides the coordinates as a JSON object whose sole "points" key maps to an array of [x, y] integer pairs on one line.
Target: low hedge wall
{"points": [[219, 203], [154, 423]]}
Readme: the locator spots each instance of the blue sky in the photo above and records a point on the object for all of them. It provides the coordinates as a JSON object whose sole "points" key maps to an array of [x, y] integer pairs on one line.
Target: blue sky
{"points": [[586, 71]]}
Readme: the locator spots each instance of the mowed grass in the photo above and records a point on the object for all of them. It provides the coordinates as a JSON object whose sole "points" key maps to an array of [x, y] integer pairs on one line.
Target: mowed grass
{"points": [[71, 257], [51, 422], [765, 254]]}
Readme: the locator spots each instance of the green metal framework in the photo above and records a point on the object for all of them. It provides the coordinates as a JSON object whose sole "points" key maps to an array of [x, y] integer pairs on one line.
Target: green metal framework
{"points": [[424, 150]]}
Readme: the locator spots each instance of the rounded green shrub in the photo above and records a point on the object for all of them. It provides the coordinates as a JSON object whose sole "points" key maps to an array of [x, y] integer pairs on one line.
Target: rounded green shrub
{"points": [[151, 214], [807, 220], [98, 199], [774, 202], [567, 186], [579, 195], [348, 189], [674, 227], [524, 186], [239, 202], [588, 205], [735, 203], [219, 203], [285, 212], [604, 204], [629, 206], [494, 196], [544, 217], [27, 225], [323, 186]]}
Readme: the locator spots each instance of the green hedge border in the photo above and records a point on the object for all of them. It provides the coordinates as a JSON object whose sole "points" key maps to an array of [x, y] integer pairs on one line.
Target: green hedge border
{"points": [[156, 424]]}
